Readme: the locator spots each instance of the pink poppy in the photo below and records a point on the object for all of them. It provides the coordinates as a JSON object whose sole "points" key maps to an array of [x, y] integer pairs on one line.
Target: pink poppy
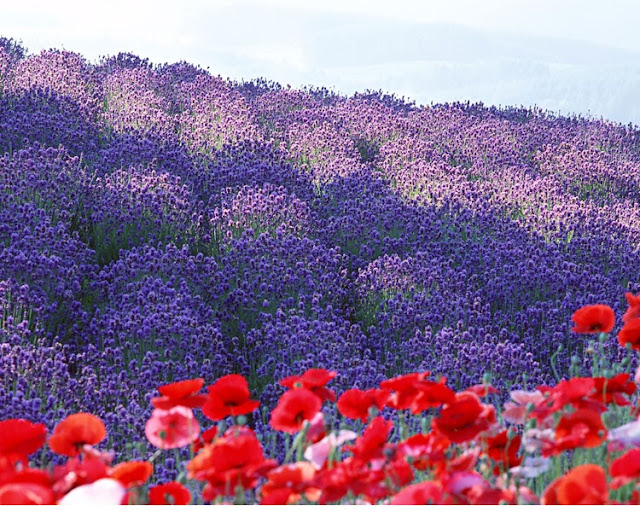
{"points": [[172, 428], [318, 453], [532, 467], [535, 439], [515, 412]]}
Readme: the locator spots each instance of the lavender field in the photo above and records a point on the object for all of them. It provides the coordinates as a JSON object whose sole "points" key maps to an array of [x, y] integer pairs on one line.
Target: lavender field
{"points": [[159, 223]]}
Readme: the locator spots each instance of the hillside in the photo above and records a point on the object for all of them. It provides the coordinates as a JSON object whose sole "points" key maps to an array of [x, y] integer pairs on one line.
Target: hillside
{"points": [[158, 223]]}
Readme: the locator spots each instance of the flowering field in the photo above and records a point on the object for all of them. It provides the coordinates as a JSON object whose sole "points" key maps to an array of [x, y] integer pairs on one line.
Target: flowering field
{"points": [[240, 292]]}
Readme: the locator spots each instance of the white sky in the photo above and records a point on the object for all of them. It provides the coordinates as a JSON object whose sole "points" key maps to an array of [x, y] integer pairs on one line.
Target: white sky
{"points": [[563, 55]]}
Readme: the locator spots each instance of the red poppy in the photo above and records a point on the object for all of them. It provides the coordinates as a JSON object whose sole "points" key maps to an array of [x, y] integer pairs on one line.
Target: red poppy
{"points": [[26, 493], [76, 430], [171, 493], [404, 389], [480, 495], [581, 429], [373, 481], [356, 404], [235, 459], [464, 462], [28, 486], [625, 469], [206, 437], [593, 318], [294, 407], [131, 473], [315, 381], [633, 311], [335, 482], [431, 395], [482, 390], [458, 484], [573, 392], [286, 484], [77, 472], [504, 451], [180, 393], [378, 483], [8, 474], [464, 418], [424, 493], [229, 396], [614, 389], [89, 452], [425, 450], [583, 485], [373, 440], [630, 333], [172, 428], [20, 438]]}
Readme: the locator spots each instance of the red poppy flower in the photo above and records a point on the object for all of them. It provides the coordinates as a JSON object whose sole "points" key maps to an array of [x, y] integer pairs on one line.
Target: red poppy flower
{"points": [[180, 393], [373, 440], [76, 430], [295, 479], [583, 485], [335, 482], [464, 462], [424, 493], [593, 318], [633, 311], [355, 403], [235, 459], [464, 418], [583, 428], [380, 482], [431, 395], [131, 473], [28, 486], [625, 468], [425, 450], [171, 493], [573, 392], [8, 474], [206, 437], [630, 333], [20, 438], [77, 472], [458, 484], [404, 389], [480, 495], [504, 451], [294, 407], [614, 389], [173, 428], [229, 396], [315, 381], [26, 493], [482, 390]]}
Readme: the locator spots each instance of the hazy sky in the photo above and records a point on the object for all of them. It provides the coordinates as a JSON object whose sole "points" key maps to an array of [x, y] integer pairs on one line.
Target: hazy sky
{"points": [[563, 55]]}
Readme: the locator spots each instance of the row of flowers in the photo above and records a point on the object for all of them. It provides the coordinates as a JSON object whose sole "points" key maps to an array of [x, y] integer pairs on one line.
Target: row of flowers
{"points": [[465, 454]]}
